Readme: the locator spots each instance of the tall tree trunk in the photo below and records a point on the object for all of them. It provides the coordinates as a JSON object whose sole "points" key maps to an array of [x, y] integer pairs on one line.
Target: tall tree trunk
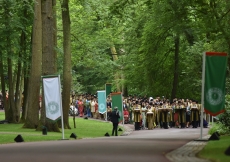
{"points": [[10, 107], [32, 119], [176, 67], [67, 79], [25, 96], [26, 71], [17, 97], [48, 58], [11, 89], [5, 103], [116, 75], [55, 33]]}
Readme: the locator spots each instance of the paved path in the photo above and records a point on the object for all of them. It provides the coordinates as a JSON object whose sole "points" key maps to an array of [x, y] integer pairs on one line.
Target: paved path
{"points": [[158, 145], [187, 152]]}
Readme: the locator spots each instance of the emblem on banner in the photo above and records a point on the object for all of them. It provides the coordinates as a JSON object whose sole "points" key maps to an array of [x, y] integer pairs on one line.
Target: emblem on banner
{"points": [[214, 96], [102, 107], [53, 107]]}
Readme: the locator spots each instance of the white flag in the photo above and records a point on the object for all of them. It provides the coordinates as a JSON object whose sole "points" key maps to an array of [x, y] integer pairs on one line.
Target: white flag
{"points": [[52, 97]]}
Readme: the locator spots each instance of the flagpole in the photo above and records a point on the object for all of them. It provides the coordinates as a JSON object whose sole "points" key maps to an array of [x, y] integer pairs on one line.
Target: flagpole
{"points": [[62, 122], [212, 120], [209, 118], [202, 97], [106, 117], [122, 110]]}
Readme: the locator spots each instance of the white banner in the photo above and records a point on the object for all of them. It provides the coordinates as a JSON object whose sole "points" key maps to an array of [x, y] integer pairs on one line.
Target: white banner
{"points": [[52, 97]]}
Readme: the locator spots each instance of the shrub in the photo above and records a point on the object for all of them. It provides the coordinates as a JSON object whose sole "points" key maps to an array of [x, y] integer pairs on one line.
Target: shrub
{"points": [[220, 128], [225, 117], [223, 125]]}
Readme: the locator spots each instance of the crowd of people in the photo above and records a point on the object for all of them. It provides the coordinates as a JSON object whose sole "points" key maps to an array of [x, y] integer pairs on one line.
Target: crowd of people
{"points": [[143, 112], [146, 112], [86, 105], [149, 113]]}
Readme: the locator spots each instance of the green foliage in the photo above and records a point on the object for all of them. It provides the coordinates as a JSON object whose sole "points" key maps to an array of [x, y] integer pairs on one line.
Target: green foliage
{"points": [[215, 150], [91, 40], [85, 129], [220, 128], [223, 124], [16, 17], [143, 33], [224, 118]]}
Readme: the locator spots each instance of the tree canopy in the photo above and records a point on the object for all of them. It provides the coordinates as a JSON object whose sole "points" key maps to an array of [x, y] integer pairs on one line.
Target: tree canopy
{"points": [[147, 47]]}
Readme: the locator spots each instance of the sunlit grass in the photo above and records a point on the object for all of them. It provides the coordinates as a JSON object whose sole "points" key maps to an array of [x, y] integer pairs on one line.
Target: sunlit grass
{"points": [[84, 129], [215, 150]]}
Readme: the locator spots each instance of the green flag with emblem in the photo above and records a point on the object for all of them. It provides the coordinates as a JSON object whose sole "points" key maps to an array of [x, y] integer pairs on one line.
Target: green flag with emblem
{"points": [[108, 89], [117, 102], [215, 78]]}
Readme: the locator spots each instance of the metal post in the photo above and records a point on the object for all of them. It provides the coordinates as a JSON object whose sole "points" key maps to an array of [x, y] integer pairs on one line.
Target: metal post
{"points": [[202, 97], [62, 122]]}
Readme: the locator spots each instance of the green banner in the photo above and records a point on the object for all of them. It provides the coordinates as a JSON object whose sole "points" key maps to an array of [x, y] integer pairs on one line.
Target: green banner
{"points": [[108, 89], [215, 78], [117, 102], [101, 101]]}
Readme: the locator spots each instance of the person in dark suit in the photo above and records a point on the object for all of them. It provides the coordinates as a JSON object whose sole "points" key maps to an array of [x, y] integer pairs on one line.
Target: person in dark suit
{"points": [[114, 116]]}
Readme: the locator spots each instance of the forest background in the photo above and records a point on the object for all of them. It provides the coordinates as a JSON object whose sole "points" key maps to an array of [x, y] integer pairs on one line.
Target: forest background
{"points": [[143, 47]]}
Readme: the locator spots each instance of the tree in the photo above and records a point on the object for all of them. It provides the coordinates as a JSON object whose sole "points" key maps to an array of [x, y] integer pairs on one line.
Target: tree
{"points": [[14, 30], [48, 57], [67, 68], [32, 118]]}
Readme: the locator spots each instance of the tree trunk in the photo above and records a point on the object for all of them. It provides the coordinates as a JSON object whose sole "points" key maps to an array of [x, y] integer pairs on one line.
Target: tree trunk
{"points": [[48, 58], [5, 103], [67, 79], [10, 101], [55, 33], [18, 79], [116, 75], [11, 91], [176, 68], [32, 119], [26, 88]]}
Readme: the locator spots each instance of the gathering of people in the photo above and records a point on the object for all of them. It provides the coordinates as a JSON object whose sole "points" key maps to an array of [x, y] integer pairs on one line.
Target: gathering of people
{"points": [[150, 113], [145, 112]]}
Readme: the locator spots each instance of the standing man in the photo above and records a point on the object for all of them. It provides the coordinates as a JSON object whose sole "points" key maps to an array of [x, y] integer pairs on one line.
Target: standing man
{"points": [[137, 115], [88, 106], [194, 114], [114, 116]]}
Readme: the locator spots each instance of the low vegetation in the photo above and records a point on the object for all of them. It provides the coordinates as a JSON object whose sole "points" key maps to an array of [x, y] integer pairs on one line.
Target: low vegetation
{"points": [[84, 129]]}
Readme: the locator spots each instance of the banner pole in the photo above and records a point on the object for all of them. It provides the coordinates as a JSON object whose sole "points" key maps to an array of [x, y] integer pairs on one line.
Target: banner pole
{"points": [[62, 122], [212, 120], [209, 118], [202, 97], [122, 110], [106, 112]]}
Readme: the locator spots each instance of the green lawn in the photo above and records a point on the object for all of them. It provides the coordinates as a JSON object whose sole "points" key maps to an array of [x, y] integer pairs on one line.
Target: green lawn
{"points": [[215, 150], [84, 129]]}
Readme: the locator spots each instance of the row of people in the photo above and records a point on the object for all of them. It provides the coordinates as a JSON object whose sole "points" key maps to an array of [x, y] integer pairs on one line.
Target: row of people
{"points": [[146, 113], [87, 105], [178, 114]]}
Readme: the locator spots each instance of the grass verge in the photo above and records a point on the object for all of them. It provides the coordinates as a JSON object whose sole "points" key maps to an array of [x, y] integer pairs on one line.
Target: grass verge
{"points": [[84, 129], [215, 150]]}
